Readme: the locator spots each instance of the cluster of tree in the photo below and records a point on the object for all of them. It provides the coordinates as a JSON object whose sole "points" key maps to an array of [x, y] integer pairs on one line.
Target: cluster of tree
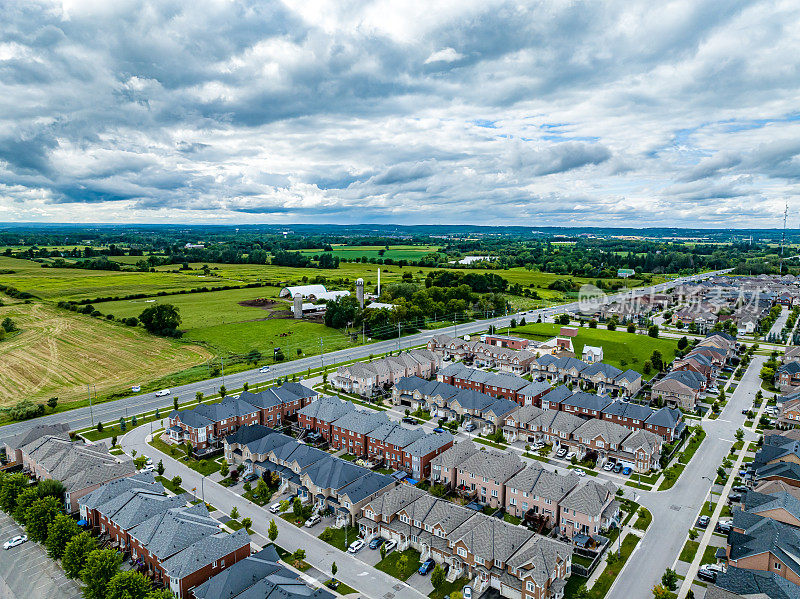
{"points": [[161, 319], [479, 283], [101, 263]]}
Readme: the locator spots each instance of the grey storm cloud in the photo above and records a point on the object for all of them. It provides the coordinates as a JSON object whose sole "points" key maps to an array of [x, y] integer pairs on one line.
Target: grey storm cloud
{"points": [[489, 111]]}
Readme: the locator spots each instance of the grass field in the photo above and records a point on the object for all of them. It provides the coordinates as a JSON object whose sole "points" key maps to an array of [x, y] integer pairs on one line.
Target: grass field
{"points": [[620, 349], [395, 252], [57, 353]]}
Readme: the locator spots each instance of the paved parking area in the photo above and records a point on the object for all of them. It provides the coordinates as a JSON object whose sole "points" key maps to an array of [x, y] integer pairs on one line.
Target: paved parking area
{"points": [[27, 573]]}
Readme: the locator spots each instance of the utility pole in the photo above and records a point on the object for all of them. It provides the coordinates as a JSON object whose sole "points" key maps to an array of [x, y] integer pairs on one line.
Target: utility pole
{"points": [[398, 337], [89, 391], [222, 365], [322, 355]]}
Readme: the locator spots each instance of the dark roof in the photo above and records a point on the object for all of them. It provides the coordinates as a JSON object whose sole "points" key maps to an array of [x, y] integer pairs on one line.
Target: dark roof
{"points": [[752, 582], [626, 409], [246, 434], [558, 394], [763, 535], [666, 417], [587, 401]]}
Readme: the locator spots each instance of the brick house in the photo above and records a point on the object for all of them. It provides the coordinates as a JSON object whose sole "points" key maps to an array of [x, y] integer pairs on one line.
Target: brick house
{"points": [[588, 509], [483, 475], [535, 490], [349, 432], [319, 415], [444, 467]]}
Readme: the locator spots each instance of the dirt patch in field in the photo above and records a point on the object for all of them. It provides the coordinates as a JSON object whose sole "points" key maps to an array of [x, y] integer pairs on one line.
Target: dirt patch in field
{"points": [[264, 303]]}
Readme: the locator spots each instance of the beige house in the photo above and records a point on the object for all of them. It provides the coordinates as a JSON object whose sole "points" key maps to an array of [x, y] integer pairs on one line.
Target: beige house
{"points": [[589, 509], [483, 476]]}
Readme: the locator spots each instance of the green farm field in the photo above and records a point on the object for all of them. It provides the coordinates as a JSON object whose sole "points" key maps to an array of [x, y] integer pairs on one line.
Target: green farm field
{"points": [[620, 349], [395, 252]]}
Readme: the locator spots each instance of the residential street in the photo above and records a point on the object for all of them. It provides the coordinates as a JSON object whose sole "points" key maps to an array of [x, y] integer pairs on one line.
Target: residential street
{"points": [[674, 511], [353, 571]]}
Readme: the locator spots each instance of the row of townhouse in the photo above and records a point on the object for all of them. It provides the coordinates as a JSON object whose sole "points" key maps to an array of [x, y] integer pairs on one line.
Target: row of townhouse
{"points": [[787, 375], [695, 372], [607, 440], [325, 481], [373, 436], [369, 378], [598, 376], [205, 425], [776, 461], [81, 467], [789, 410], [503, 480], [173, 542], [503, 385], [444, 400], [490, 552], [490, 353]]}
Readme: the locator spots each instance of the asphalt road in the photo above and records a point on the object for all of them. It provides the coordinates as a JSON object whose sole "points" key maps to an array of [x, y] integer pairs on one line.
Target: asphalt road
{"points": [[674, 511], [137, 404], [352, 570]]}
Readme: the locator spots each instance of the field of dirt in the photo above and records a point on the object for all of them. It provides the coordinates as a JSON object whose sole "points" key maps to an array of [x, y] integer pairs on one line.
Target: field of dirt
{"points": [[264, 303], [56, 353]]}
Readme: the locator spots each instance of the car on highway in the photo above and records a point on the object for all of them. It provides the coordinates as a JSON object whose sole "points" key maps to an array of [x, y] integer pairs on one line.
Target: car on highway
{"points": [[426, 566], [355, 546], [390, 545], [702, 521], [376, 542], [263, 369], [163, 392], [315, 519], [136, 388], [13, 542], [275, 508]]}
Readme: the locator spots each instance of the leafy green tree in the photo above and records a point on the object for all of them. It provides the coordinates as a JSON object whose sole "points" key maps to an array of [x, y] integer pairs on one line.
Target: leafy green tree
{"points": [[12, 486], [176, 481], [739, 434], [75, 553], [223, 468], [652, 331], [297, 507], [272, 531], [647, 367], [52, 402], [40, 516], [631, 327], [670, 579], [198, 396], [160, 467], [693, 534], [438, 577], [247, 523], [122, 425], [101, 566], [24, 501], [161, 319], [62, 531], [683, 342], [383, 551], [334, 570], [234, 513], [160, 594], [128, 585], [140, 462]]}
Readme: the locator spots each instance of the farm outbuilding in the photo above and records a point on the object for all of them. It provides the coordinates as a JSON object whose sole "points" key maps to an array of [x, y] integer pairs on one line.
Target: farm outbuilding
{"points": [[304, 290]]}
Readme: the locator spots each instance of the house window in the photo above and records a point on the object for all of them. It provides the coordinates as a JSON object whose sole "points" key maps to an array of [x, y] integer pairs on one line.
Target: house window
{"points": [[530, 587], [462, 552]]}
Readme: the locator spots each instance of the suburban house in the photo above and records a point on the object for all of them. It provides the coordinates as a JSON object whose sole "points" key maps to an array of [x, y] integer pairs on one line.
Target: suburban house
{"points": [[680, 388], [504, 386], [259, 575], [789, 411], [82, 468], [489, 551], [588, 509], [176, 544], [588, 375], [495, 355], [320, 414], [325, 481], [781, 506], [506, 341], [535, 492], [484, 474], [738, 583], [444, 467], [13, 445], [761, 543], [592, 354], [788, 375], [205, 425], [369, 378]]}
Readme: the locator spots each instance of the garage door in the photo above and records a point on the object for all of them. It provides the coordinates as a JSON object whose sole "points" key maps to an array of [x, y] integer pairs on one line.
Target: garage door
{"points": [[510, 592]]}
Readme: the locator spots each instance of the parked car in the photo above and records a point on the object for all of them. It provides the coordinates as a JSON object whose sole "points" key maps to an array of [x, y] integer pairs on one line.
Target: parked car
{"points": [[409, 420], [275, 508], [148, 462], [537, 446], [390, 545], [355, 546], [735, 497], [146, 468], [617, 468], [376, 542], [580, 471], [332, 584], [627, 470], [724, 526], [470, 426], [426, 566], [466, 592], [608, 466], [313, 520], [703, 521], [263, 369], [561, 452], [570, 455], [136, 388], [18, 540], [250, 477], [707, 575], [740, 489], [163, 392]]}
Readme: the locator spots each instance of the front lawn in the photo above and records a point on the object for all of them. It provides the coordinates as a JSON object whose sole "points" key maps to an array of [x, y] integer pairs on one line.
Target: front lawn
{"points": [[205, 467], [644, 520], [339, 537], [168, 485], [689, 551], [609, 575], [511, 519], [395, 566], [448, 588], [709, 555], [342, 588]]}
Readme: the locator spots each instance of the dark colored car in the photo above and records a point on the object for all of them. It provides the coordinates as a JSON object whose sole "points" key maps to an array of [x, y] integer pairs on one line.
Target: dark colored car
{"points": [[332, 584], [707, 575], [376, 542], [725, 527], [735, 497], [250, 477], [409, 420], [740, 489], [702, 521], [426, 566], [617, 467]]}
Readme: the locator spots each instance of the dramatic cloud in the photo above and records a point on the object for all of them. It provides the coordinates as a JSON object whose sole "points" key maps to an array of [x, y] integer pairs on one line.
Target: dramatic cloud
{"points": [[462, 111]]}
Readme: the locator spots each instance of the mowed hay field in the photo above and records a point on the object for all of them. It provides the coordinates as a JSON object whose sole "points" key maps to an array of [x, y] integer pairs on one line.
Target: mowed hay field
{"points": [[56, 353], [395, 252], [77, 284], [620, 348]]}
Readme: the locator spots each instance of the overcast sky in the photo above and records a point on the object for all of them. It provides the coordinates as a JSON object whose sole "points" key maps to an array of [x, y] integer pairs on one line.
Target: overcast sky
{"points": [[477, 112]]}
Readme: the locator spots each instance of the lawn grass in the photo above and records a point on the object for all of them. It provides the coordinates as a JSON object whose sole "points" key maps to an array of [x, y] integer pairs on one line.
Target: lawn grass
{"points": [[669, 481], [178, 490], [448, 588], [342, 588], [511, 519], [395, 252], [205, 467], [643, 520], [489, 443], [392, 566], [689, 551], [339, 537], [709, 555], [609, 575], [621, 349]]}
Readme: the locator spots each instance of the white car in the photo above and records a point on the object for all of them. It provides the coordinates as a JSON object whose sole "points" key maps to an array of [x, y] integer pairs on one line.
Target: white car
{"points": [[608, 466], [580, 472], [163, 392], [466, 592], [390, 545], [263, 369], [15, 541], [313, 520], [355, 546], [275, 508], [149, 468], [136, 388], [570, 455]]}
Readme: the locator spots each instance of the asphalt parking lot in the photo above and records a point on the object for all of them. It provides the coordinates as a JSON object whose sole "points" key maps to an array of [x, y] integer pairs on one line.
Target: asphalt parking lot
{"points": [[26, 572]]}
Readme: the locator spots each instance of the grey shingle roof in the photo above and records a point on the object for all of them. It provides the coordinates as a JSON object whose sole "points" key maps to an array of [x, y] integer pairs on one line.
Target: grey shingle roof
{"points": [[539, 481], [495, 466], [205, 551], [394, 434], [37, 432], [763, 535], [587, 401], [170, 532], [327, 409], [455, 455], [361, 422], [753, 583], [363, 487], [334, 473], [429, 443], [611, 432], [144, 481], [626, 409], [667, 417], [558, 394], [590, 497]]}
